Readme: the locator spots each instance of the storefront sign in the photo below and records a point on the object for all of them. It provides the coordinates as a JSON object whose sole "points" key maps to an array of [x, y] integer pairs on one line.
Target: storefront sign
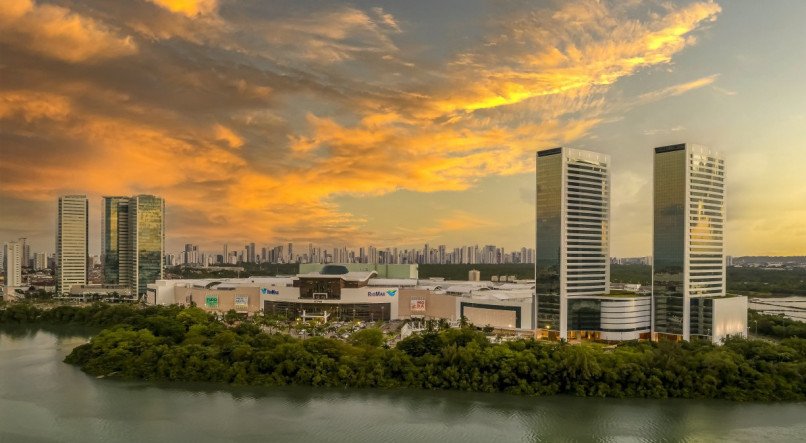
{"points": [[241, 301], [389, 292], [417, 306], [265, 291], [211, 301]]}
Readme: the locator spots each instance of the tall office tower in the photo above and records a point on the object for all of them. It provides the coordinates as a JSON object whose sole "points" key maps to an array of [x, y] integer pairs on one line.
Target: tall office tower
{"points": [[688, 267], [226, 254], [572, 270], [115, 240], [72, 228], [25, 258], [147, 241], [250, 253], [12, 253]]}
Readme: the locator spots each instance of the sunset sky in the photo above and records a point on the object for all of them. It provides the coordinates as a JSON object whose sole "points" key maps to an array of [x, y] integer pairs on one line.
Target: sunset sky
{"points": [[393, 123]]}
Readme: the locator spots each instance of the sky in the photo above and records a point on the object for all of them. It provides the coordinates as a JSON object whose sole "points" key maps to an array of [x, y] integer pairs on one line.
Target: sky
{"points": [[393, 123]]}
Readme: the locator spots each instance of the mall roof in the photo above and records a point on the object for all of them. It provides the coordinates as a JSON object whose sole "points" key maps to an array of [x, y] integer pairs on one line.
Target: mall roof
{"points": [[350, 276]]}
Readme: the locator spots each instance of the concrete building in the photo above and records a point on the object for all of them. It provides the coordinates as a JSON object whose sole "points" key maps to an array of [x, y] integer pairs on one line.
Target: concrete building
{"points": [[12, 254], [39, 261], [25, 258], [335, 292], [71, 242], [474, 275], [688, 272]]}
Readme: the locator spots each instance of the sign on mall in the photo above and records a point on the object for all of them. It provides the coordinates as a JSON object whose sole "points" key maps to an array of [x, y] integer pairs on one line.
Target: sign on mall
{"points": [[241, 301], [389, 292], [417, 306], [211, 301], [265, 291]]}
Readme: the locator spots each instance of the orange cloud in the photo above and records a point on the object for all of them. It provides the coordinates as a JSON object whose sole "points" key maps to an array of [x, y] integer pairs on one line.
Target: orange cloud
{"points": [[255, 137], [57, 32], [190, 8]]}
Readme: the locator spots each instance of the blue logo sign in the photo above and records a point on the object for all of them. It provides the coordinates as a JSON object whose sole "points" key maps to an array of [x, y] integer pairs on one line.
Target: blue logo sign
{"points": [[389, 292], [265, 291]]}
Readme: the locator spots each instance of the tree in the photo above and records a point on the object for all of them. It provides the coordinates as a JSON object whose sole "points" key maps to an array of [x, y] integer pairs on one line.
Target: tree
{"points": [[367, 337]]}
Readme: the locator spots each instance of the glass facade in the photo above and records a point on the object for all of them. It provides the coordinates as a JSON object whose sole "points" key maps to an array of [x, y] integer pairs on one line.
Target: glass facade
{"points": [[584, 315], [548, 208], [688, 255], [113, 238], [669, 227], [701, 317], [147, 229]]}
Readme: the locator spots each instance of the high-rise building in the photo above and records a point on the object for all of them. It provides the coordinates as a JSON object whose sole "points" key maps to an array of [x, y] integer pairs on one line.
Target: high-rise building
{"points": [[12, 254], [25, 258], [688, 272], [115, 259], [133, 241], [71, 242], [39, 261], [572, 240], [147, 233], [250, 253]]}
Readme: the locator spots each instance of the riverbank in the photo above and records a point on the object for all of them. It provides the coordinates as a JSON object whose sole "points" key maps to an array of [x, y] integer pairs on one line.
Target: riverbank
{"points": [[44, 399], [188, 345]]}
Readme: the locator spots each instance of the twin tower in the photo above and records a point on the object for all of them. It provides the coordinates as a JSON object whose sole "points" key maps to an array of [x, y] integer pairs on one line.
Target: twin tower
{"points": [[687, 299]]}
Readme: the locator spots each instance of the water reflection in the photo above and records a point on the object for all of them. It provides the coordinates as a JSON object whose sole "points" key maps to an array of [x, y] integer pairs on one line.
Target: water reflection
{"points": [[56, 401]]}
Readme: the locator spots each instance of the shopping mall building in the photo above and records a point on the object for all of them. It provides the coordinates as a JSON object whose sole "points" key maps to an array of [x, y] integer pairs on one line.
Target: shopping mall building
{"points": [[338, 293]]}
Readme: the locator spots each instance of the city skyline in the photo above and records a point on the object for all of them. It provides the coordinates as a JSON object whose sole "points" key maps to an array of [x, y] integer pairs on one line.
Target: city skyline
{"points": [[397, 124]]}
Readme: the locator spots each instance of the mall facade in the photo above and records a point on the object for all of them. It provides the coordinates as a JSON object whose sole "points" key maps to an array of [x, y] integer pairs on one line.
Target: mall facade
{"points": [[336, 293]]}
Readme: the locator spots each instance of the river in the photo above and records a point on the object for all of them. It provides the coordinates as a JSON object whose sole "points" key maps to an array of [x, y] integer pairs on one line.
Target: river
{"points": [[44, 399]]}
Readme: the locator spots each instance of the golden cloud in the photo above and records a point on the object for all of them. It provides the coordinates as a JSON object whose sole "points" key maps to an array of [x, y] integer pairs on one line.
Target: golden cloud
{"points": [[254, 137], [190, 8], [57, 32]]}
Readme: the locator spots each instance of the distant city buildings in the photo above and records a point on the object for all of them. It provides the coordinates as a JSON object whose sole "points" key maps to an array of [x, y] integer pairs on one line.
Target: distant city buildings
{"points": [[442, 254], [72, 229], [39, 261], [12, 256]]}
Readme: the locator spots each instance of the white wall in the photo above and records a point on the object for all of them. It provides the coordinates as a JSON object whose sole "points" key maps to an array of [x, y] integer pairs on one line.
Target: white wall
{"points": [[729, 317]]}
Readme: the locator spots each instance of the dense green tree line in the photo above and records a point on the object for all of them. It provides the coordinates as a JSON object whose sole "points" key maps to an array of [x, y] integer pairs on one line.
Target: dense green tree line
{"points": [[775, 326], [175, 344], [98, 314], [187, 345]]}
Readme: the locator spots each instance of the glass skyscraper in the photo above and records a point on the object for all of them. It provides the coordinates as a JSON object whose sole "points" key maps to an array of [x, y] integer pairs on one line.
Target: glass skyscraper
{"points": [[688, 267], [115, 240], [71, 242], [572, 267], [133, 241], [147, 233]]}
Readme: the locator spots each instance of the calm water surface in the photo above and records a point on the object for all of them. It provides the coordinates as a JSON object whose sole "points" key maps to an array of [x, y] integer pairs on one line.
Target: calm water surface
{"points": [[43, 399]]}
